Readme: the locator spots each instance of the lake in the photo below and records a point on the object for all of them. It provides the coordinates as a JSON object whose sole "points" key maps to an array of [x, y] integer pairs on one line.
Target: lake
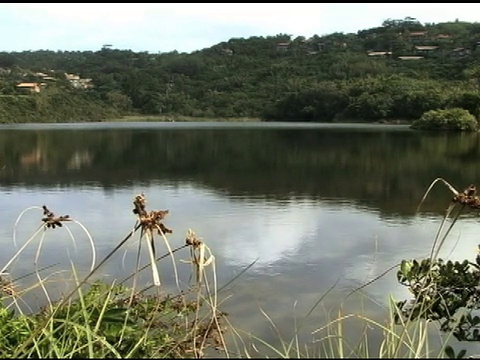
{"points": [[303, 207]]}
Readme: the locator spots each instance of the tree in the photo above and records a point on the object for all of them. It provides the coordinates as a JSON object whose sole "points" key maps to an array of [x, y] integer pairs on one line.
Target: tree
{"points": [[447, 119], [7, 60]]}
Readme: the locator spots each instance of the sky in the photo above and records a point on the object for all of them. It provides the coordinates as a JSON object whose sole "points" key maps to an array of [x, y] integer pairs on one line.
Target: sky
{"points": [[187, 27]]}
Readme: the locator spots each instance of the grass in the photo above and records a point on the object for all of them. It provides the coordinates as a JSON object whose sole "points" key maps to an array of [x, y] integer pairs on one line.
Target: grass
{"points": [[399, 335], [344, 334], [96, 319]]}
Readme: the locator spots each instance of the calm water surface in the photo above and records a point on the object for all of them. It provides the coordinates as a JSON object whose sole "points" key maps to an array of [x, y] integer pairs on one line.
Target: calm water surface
{"points": [[311, 205]]}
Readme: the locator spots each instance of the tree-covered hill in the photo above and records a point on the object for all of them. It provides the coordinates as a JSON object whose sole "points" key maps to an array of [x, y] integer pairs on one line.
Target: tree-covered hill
{"points": [[398, 70]]}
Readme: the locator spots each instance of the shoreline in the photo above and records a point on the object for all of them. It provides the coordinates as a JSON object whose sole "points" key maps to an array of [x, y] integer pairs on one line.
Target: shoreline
{"points": [[193, 119], [179, 118], [182, 118]]}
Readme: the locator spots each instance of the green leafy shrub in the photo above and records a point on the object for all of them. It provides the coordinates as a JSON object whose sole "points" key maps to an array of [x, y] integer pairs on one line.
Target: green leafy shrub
{"points": [[444, 291], [446, 119]]}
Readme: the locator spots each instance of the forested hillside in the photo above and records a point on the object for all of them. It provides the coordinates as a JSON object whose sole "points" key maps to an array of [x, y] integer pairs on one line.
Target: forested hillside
{"points": [[394, 71]]}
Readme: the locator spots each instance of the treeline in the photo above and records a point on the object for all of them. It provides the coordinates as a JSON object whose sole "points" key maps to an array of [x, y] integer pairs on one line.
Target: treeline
{"points": [[374, 98], [324, 78]]}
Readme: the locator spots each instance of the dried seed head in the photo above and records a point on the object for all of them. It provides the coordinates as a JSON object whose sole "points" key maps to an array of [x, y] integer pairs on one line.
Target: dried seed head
{"points": [[150, 220], [51, 221], [471, 190], [139, 205], [192, 239]]}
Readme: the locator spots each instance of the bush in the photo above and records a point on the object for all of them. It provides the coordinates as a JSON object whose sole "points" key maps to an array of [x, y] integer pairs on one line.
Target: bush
{"points": [[446, 119]]}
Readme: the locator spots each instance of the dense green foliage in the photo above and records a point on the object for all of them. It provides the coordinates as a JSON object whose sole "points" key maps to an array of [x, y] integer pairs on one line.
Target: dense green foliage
{"points": [[324, 78], [447, 119], [445, 291], [54, 106]]}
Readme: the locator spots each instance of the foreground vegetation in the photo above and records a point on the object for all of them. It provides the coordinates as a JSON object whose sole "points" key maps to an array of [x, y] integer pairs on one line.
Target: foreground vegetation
{"points": [[96, 319], [101, 320], [398, 70]]}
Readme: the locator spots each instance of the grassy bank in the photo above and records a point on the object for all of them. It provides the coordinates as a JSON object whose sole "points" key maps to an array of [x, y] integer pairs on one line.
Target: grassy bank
{"points": [[180, 118]]}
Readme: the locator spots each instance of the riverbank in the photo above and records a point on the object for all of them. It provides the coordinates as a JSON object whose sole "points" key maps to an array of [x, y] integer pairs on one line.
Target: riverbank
{"points": [[180, 118]]}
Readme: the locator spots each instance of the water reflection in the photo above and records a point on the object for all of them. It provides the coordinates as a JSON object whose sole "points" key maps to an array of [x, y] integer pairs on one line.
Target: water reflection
{"points": [[310, 206], [379, 169]]}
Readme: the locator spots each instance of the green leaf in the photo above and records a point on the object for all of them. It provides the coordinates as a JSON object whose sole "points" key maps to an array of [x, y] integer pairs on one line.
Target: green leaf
{"points": [[406, 267], [449, 352], [115, 315]]}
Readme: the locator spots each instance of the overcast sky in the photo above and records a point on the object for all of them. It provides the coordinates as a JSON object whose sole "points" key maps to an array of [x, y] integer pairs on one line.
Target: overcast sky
{"points": [[188, 27]]}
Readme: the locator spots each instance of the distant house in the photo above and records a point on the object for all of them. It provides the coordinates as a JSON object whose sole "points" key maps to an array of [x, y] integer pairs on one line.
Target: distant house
{"points": [[283, 46], [83, 84], [44, 76], [409, 57], [443, 36], [426, 47], [379, 53], [417, 36], [71, 77], [321, 46], [32, 87], [78, 82], [461, 51]]}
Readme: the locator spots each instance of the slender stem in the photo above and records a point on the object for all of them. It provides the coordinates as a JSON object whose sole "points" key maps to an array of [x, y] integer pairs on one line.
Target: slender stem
{"points": [[21, 348], [157, 259], [21, 249], [156, 277]]}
